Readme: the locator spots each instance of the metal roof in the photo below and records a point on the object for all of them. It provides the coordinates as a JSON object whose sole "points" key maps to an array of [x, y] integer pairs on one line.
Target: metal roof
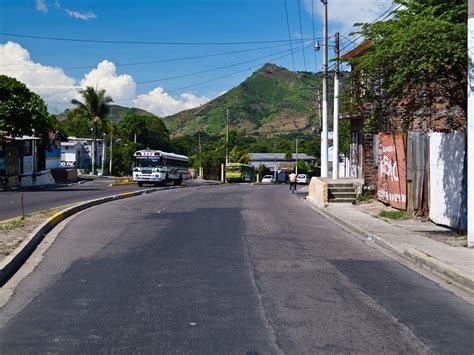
{"points": [[278, 156]]}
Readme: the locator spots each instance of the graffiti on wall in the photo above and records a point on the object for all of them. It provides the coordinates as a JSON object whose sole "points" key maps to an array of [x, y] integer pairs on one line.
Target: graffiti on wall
{"points": [[391, 184]]}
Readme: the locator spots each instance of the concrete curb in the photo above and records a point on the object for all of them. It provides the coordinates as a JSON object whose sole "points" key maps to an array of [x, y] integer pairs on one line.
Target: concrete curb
{"points": [[436, 266], [123, 183], [423, 260], [12, 263]]}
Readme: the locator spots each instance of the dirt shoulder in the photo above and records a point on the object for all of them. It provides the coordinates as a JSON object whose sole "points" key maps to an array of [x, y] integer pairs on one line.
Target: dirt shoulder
{"points": [[15, 230]]}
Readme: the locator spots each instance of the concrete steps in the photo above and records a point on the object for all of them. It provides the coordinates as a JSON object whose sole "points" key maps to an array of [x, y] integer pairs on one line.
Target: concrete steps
{"points": [[341, 192]]}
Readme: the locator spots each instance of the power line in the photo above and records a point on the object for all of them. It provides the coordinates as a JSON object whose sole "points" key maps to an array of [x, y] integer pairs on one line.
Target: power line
{"points": [[182, 75], [213, 69], [206, 81], [156, 61], [142, 42], [289, 35], [386, 13], [215, 79], [301, 32], [314, 37]]}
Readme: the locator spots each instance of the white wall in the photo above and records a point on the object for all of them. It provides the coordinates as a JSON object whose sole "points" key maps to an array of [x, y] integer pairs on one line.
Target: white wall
{"points": [[447, 154], [470, 129]]}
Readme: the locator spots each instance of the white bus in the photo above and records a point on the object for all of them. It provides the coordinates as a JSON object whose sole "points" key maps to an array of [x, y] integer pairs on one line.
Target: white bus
{"points": [[157, 167]]}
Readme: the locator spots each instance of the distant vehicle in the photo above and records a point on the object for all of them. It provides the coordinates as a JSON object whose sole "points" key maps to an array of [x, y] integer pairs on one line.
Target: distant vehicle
{"points": [[268, 179], [302, 179], [159, 168], [236, 172]]}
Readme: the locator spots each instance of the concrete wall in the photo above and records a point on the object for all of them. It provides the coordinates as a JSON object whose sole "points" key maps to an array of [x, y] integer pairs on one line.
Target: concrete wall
{"points": [[41, 178], [318, 192], [447, 153]]}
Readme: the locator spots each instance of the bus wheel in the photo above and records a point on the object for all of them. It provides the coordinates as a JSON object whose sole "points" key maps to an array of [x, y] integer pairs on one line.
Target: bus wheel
{"points": [[140, 184], [178, 182]]}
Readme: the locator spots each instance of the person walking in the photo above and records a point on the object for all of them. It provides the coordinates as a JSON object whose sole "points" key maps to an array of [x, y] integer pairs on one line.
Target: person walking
{"points": [[292, 178]]}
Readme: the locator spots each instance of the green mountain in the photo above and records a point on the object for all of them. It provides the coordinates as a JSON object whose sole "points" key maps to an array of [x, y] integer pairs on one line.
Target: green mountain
{"points": [[272, 100], [117, 113]]}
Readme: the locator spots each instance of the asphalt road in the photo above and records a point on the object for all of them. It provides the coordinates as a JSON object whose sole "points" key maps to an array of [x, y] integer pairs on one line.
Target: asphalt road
{"points": [[225, 269], [51, 197]]}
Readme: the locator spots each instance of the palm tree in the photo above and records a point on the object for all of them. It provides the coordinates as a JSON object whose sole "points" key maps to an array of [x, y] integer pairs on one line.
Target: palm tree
{"points": [[95, 108]]}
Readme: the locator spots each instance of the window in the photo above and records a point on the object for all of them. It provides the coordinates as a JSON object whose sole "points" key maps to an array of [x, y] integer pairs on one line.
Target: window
{"points": [[147, 162], [27, 148]]}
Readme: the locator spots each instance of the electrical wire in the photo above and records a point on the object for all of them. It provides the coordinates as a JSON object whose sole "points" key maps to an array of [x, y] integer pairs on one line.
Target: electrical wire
{"points": [[314, 37], [217, 78], [301, 32], [142, 42], [386, 13], [289, 35], [182, 75], [154, 61]]}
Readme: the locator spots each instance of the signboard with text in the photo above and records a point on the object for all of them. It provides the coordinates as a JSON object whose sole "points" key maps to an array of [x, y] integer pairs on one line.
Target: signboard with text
{"points": [[67, 164], [391, 182]]}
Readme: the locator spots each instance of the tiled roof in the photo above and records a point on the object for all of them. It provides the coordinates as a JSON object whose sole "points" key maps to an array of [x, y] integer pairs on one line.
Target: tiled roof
{"points": [[357, 51]]}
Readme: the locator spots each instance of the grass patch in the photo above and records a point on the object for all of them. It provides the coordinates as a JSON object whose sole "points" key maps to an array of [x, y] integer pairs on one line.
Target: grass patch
{"points": [[13, 224], [18, 223], [364, 198], [398, 215]]}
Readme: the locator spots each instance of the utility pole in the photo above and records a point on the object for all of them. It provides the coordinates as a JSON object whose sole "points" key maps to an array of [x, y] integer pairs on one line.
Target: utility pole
{"points": [[296, 166], [227, 138], [226, 144], [324, 133], [110, 157], [320, 111], [335, 133], [93, 149], [200, 158], [470, 131], [103, 155]]}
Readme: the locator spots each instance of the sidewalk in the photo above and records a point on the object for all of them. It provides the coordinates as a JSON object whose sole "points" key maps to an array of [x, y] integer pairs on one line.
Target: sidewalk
{"points": [[433, 247]]}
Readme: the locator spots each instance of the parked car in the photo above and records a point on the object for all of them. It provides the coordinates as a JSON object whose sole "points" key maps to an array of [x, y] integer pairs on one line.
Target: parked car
{"points": [[302, 179], [268, 179]]}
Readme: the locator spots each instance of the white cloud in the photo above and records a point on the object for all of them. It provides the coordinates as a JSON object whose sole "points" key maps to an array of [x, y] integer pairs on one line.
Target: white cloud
{"points": [[41, 6], [81, 15], [119, 87], [162, 104], [57, 89], [342, 14]]}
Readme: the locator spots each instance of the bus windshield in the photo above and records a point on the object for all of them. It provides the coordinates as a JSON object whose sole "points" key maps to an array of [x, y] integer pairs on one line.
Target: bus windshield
{"points": [[148, 162], [233, 168]]}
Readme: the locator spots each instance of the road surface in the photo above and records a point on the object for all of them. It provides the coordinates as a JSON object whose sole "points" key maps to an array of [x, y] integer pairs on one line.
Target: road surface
{"points": [[225, 269], [42, 199]]}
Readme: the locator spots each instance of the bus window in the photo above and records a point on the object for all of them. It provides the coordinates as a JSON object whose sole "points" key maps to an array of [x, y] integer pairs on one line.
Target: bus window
{"points": [[148, 162]]}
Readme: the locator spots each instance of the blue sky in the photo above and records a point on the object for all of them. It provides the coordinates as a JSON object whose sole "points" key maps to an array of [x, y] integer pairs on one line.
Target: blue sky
{"points": [[57, 69]]}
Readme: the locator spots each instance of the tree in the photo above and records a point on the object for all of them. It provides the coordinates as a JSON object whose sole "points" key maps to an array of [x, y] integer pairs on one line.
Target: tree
{"points": [[150, 131], [302, 167], [75, 125], [94, 108], [23, 112], [414, 59], [262, 170], [122, 159]]}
